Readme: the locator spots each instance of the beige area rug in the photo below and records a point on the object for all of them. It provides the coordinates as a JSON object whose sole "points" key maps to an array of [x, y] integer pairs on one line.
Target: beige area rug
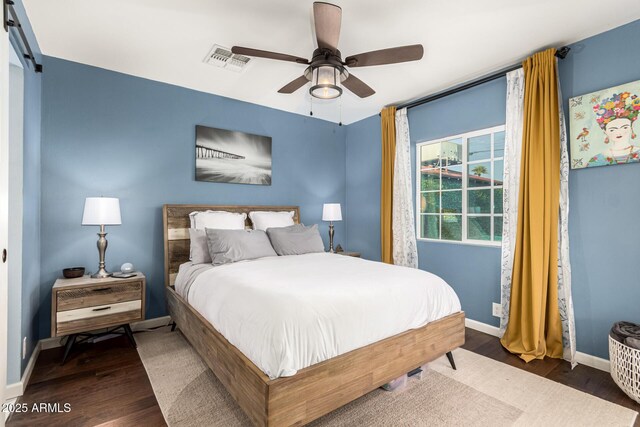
{"points": [[482, 392]]}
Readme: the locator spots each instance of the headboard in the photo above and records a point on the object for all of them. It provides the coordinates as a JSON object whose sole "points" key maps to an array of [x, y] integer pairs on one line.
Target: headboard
{"points": [[175, 220]]}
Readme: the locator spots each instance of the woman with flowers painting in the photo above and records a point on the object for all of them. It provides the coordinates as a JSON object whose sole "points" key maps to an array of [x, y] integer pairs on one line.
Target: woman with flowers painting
{"points": [[615, 116]]}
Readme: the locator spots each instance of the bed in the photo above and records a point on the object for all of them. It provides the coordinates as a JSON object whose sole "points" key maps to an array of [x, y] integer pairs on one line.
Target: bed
{"points": [[296, 393]]}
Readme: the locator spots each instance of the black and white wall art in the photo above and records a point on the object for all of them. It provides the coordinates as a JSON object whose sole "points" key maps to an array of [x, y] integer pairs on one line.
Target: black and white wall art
{"points": [[233, 157]]}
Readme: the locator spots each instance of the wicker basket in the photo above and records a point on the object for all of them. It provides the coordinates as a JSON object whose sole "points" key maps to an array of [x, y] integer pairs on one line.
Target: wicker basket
{"points": [[625, 368]]}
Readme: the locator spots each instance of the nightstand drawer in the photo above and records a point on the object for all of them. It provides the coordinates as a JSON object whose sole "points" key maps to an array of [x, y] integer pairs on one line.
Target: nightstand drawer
{"points": [[88, 318], [86, 304], [110, 293]]}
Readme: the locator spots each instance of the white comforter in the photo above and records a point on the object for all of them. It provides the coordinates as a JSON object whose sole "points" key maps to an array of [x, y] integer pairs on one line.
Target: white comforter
{"points": [[289, 312]]}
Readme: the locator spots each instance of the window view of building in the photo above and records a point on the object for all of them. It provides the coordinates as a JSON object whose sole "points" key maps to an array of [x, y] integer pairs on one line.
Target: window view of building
{"points": [[460, 187]]}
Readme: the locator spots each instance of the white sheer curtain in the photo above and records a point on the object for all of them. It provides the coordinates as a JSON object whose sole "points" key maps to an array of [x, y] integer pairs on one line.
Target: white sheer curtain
{"points": [[405, 250], [565, 302], [511, 185]]}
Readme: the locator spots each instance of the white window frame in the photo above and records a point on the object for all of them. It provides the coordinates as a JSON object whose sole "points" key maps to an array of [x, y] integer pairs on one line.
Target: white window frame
{"points": [[464, 137]]}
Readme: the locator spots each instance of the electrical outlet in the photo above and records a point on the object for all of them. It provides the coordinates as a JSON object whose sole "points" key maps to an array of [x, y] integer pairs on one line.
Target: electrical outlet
{"points": [[24, 348], [496, 309]]}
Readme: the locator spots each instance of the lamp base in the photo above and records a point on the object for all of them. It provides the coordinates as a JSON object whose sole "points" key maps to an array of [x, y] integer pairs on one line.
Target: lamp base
{"points": [[331, 237], [101, 274], [102, 248]]}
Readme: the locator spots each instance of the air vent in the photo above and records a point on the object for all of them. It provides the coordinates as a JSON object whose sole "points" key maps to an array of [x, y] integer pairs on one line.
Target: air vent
{"points": [[223, 58]]}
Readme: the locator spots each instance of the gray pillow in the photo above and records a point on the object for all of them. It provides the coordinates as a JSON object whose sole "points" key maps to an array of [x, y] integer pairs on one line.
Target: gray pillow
{"points": [[227, 246], [296, 239], [199, 247]]}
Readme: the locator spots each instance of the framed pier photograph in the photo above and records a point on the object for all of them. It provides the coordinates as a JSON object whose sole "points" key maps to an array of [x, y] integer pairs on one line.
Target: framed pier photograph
{"points": [[232, 157]]}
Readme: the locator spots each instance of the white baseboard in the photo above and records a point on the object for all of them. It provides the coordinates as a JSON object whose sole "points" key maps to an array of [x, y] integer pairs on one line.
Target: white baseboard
{"points": [[9, 402], [15, 390], [593, 361], [482, 327], [581, 358], [53, 342]]}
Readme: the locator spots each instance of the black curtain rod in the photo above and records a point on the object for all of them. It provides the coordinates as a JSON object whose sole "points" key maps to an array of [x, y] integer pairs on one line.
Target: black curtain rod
{"points": [[561, 53], [15, 23]]}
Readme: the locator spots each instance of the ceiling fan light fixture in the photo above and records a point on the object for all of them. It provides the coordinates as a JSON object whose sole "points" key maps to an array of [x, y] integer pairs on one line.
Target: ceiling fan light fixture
{"points": [[326, 70], [325, 82]]}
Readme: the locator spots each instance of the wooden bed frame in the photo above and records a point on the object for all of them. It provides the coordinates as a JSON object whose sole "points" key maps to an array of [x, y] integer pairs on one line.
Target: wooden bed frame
{"points": [[315, 390]]}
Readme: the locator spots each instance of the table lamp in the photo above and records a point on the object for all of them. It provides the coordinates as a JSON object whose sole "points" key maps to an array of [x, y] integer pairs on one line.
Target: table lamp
{"points": [[331, 212], [101, 211]]}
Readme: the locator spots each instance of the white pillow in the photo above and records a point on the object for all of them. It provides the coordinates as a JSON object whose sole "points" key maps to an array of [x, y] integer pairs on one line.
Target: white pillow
{"points": [[264, 220], [219, 220]]}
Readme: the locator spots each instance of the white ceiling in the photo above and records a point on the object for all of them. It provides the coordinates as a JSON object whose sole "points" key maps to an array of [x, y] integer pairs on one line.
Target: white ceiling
{"points": [[167, 40]]}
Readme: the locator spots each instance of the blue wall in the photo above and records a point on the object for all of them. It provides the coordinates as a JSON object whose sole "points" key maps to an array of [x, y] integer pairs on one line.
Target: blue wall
{"points": [[31, 211], [106, 133], [603, 201], [363, 161]]}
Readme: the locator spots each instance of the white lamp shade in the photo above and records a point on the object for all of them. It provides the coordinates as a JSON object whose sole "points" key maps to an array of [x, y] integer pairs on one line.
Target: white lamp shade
{"points": [[101, 211], [331, 212]]}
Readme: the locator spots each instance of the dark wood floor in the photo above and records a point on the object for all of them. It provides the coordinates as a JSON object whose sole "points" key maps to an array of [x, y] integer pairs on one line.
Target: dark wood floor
{"points": [[106, 384]]}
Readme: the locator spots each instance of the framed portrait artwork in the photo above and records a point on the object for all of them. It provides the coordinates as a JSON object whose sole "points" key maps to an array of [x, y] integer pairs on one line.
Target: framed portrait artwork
{"points": [[604, 127], [232, 157]]}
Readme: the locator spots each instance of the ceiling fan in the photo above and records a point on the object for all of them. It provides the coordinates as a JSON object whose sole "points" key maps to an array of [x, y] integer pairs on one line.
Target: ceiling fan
{"points": [[326, 70]]}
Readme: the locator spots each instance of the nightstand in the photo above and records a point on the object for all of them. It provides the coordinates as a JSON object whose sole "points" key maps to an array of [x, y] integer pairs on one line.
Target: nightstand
{"points": [[347, 253], [85, 304]]}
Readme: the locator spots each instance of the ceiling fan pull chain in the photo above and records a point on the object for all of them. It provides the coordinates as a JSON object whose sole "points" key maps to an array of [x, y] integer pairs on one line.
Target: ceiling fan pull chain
{"points": [[340, 101], [311, 105]]}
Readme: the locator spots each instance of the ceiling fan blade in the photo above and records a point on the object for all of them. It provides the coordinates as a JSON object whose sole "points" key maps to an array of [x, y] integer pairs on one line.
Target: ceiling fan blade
{"points": [[328, 19], [266, 54], [392, 55], [357, 86], [294, 85]]}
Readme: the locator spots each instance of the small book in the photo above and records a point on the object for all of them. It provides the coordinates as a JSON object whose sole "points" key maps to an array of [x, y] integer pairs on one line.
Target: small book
{"points": [[121, 275]]}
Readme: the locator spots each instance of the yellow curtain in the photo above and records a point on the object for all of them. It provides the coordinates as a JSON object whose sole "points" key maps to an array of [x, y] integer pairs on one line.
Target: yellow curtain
{"points": [[534, 329], [388, 124]]}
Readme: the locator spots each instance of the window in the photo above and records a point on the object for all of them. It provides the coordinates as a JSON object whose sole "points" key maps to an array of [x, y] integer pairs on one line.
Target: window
{"points": [[459, 191]]}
